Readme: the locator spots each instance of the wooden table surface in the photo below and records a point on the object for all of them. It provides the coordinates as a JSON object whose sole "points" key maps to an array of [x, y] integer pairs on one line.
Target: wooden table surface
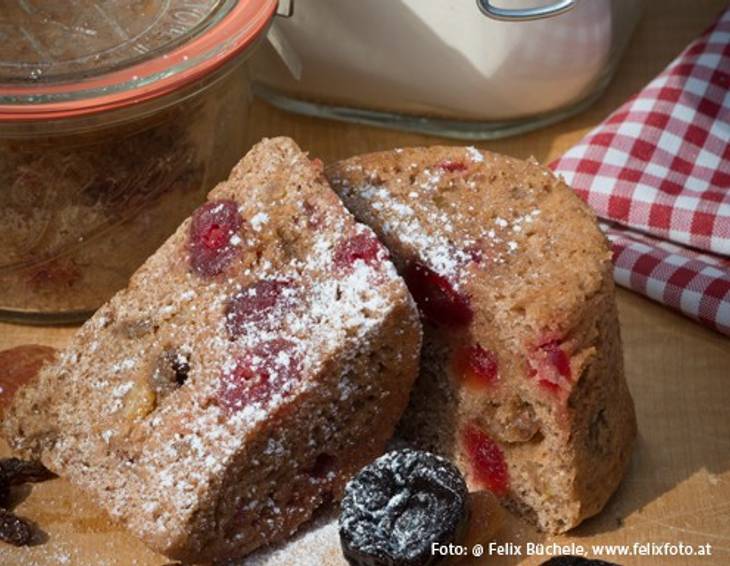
{"points": [[678, 488]]}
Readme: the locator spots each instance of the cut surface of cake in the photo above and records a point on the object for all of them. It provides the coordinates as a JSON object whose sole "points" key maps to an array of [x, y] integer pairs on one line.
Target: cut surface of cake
{"points": [[255, 363], [521, 378]]}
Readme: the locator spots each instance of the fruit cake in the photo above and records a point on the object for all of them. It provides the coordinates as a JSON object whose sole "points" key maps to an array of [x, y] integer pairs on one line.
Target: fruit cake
{"points": [[254, 363], [521, 378]]}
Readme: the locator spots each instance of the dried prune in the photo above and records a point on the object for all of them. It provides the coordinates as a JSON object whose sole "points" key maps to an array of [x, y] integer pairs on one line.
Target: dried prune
{"points": [[13, 529], [398, 506]]}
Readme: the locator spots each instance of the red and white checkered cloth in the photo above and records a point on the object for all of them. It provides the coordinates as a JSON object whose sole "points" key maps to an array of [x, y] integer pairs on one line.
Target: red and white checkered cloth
{"points": [[657, 172]]}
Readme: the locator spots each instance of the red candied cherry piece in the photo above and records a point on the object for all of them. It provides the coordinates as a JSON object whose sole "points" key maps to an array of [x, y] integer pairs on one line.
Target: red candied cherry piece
{"points": [[550, 386], [451, 166], [558, 358], [436, 297], [477, 366], [253, 304], [209, 240], [360, 246], [486, 459], [265, 370]]}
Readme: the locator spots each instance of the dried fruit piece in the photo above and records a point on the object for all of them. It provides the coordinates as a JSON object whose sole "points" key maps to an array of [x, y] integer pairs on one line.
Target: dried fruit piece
{"points": [[270, 368], [211, 239], [181, 367], [15, 471], [477, 366], [396, 508], [363, 247], [253, 304], [551, 365], [13, 529], [4, 490], [558, 358], [437, 299], [139, 401], [171, 371], [486, 459], [451, 166]]}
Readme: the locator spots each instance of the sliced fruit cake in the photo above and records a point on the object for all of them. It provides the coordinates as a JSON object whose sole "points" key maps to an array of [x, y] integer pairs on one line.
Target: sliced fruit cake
{"points": [[521, 377], [255, 363]]}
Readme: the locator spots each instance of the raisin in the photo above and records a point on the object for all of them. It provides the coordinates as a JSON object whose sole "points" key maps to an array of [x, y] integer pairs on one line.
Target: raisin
{"points": [[172, 370], [181, 367], [16, 471], [4, 490], [13, 529]]}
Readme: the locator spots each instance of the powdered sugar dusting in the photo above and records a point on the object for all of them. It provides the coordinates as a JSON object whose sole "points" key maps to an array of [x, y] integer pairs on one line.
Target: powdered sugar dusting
{"points": [[400, 221]]}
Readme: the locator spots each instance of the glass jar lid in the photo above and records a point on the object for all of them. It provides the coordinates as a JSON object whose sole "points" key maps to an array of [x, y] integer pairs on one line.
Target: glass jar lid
{"points": [[61, 59]]}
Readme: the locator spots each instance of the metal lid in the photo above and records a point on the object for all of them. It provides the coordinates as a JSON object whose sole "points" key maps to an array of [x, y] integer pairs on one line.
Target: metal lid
{"points": [[62, 59]]}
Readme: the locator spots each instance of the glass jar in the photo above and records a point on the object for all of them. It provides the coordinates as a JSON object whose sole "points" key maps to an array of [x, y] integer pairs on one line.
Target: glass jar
{"points": [[470, 69], [116, 119]]}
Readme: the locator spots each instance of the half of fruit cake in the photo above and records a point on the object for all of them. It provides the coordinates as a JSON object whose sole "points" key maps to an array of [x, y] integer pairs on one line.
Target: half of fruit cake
{"points": [[521, 376], [256, 361]]}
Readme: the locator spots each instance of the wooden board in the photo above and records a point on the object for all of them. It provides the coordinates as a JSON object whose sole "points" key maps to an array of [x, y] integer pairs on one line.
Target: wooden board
{"points": [[678, 488]]}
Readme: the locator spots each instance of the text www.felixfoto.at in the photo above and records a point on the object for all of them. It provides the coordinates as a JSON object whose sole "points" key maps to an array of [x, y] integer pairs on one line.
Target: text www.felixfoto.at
{"points": [[652, 549]]}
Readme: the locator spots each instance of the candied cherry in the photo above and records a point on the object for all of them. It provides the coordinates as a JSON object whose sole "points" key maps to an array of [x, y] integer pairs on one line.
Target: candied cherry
{"points": [[436, 297], [253, 304], [360, 246], [476, 366], [451, 166], [550, 364], [558, 358], [486, 459], [268, 369], [212, 227]]}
